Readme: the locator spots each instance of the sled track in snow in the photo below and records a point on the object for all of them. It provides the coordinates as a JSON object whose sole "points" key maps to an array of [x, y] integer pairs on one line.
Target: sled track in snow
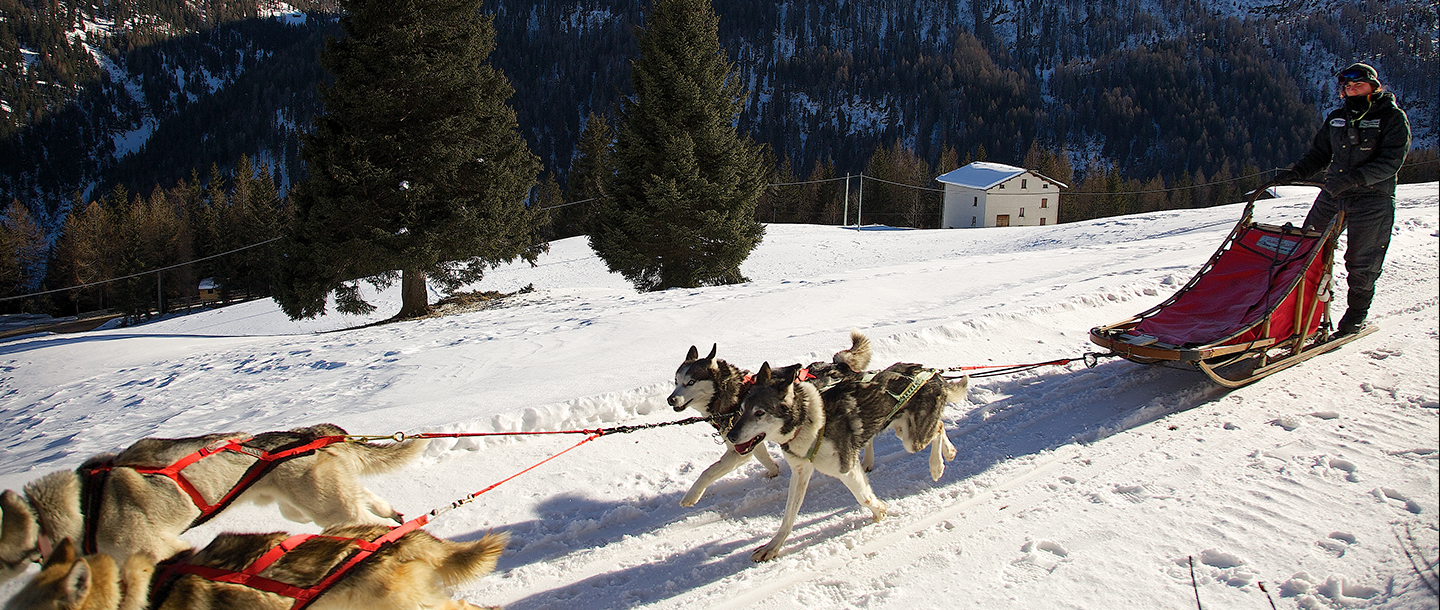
{"points": [[706, 550]]}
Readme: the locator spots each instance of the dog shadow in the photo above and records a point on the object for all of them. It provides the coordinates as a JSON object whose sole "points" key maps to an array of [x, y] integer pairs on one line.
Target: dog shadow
{"points": [[1005, 418]]}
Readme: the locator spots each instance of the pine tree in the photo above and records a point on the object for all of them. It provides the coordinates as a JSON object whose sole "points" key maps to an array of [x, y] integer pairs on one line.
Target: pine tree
{"points": [[22, 251], [416, 164], [589, 172], [681, 211]]}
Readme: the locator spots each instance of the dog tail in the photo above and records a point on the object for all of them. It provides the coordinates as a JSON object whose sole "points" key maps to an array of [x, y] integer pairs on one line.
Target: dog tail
{"points": [[955, 390], [858, 356], [377, 458], [470, 560]]}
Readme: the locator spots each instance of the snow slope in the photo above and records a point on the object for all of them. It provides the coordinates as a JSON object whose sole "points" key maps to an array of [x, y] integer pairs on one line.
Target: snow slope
{"points": [[1074, 487]]}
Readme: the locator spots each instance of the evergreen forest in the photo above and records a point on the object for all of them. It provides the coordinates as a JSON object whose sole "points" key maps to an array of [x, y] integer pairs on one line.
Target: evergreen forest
{"points": [[111, 111]]}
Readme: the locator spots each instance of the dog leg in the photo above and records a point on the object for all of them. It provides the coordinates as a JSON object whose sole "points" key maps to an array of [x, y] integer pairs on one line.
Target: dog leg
{"points": [[772, 469], [869, 461], [941, 451], [859, 486], [800, 472], [728, 462]]}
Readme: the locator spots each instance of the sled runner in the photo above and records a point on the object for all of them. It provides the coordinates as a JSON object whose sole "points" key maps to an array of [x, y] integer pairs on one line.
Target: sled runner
{"points": [[1259, 305]]}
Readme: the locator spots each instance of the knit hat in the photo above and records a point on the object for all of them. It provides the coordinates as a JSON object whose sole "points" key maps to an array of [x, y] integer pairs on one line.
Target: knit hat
{"points": [[1360, 73]]}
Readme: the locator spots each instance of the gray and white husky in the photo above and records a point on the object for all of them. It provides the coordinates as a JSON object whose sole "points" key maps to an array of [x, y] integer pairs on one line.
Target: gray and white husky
{"points": [[826, 431], [146, 513], [715, 387]]}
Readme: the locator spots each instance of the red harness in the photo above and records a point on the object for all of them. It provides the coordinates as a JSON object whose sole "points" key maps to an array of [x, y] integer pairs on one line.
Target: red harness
{"points": [[303, 596], [93, 478]]}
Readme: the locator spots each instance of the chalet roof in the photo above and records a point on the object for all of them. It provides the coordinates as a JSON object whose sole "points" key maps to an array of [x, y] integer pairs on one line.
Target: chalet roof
{"points": [[983, 175]]}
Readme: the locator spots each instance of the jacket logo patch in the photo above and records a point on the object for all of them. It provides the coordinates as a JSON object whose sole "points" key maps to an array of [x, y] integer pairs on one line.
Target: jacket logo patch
{"points": [[1371, 124], [1337, 122]]}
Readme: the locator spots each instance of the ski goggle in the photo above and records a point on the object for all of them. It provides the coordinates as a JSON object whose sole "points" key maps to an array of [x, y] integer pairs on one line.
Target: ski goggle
{"points": [[1355, 75]]}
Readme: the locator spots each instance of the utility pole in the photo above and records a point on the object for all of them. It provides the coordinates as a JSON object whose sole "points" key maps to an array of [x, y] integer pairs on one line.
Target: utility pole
{"points": [[860, 202], [845, 216]]}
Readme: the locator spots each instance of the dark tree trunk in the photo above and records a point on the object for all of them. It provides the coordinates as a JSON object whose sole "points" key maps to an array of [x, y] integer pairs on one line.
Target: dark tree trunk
{"points": [[414, 299]]}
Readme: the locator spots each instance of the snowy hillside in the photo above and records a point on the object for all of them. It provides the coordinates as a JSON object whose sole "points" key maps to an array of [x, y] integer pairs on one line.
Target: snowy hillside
{"points": [[1073, 488]]}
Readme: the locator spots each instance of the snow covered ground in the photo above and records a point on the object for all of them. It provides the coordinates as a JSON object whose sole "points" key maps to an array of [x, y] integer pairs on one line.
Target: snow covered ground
{"points": [[1074, 487]]}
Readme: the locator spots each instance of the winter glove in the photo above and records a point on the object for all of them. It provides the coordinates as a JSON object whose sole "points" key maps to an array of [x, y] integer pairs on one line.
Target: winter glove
{"points": [[1286, 176], [1338, 185]]}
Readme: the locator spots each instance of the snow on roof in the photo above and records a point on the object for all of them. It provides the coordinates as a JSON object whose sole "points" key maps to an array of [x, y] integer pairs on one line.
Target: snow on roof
{"points": [[983, 175]]}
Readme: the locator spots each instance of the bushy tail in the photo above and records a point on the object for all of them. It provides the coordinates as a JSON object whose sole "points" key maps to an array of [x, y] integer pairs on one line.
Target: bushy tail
{"points": [[858, 356], [470, 560], [377, 458], [955, 390]]}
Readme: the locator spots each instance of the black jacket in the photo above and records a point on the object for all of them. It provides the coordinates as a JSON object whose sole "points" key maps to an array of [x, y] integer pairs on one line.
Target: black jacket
{"points": [[1368, 136]]}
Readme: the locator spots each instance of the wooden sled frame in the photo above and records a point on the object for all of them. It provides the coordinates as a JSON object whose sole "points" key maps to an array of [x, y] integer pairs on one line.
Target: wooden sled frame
{"points": [[1255, 350]]}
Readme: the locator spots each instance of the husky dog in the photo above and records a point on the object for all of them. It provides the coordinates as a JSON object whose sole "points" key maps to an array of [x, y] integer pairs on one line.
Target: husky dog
{"points": [[408, 574], [826, 431], [715, 387], [146, 513]]}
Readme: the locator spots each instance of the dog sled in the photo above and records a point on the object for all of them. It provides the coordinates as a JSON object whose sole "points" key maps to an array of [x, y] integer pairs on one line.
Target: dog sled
{"points": [[1259, 305]]}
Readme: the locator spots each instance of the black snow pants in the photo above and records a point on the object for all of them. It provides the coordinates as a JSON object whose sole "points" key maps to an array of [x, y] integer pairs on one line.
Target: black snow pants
{"points": [[1369, 220]]}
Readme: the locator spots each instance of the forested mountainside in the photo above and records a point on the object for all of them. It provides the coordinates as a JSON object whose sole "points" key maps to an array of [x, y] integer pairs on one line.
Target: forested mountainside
{"points": [[142, 93]]}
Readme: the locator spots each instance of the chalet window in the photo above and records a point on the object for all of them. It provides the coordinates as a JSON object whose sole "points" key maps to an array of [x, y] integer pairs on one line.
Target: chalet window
{"points": [[1044, 185], [1022, 183], [1022, 212], [972, 221], [1044, 203], [1002, 185], [1042, 221], [976, 204]]}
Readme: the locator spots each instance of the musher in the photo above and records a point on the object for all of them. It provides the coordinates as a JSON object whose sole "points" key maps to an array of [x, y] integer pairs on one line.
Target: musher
{"points": [[1364, 142]]}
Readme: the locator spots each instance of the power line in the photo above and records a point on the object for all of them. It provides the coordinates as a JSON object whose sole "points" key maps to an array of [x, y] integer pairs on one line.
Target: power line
{"points": [[862, 178], [141, 274]]}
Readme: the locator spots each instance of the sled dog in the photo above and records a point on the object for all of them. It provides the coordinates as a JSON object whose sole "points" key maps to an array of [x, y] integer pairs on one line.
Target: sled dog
{"points": [[408, 574], [128, 512], [715, 387], [827, 431]]}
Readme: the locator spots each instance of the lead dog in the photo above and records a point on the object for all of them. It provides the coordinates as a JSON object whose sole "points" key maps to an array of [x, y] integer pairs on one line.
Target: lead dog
{"points": [[715, 387], [408, 574], [146, 513], [827, 431]]}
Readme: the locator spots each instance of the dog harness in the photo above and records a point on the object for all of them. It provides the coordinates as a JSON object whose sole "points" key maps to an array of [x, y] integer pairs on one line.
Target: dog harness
{"points": [[250, 576], [93, 478], [916, 383]]}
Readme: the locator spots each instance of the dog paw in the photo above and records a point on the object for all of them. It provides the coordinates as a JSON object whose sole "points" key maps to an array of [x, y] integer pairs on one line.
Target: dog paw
{"points": [[688, 501], [765, 553], [879, 511]]}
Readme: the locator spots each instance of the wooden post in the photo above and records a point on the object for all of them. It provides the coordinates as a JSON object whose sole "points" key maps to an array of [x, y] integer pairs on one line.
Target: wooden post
{"points": [[860, 202]]}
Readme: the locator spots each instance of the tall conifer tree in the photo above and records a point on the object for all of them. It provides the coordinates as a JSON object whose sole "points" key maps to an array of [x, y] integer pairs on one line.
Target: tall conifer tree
{"points": [[681, 205], [416, 164]]}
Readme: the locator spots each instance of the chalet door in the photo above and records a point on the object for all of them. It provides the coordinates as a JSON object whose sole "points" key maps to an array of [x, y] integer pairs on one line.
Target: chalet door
{"points": [[1002, 220]]}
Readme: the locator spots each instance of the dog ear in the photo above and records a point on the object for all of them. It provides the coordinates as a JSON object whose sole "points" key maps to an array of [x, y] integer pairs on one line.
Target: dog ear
{"points": [[19, 532], [63, 553], [713, 347], [763, 377], [76, 585], [692, 355]]}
